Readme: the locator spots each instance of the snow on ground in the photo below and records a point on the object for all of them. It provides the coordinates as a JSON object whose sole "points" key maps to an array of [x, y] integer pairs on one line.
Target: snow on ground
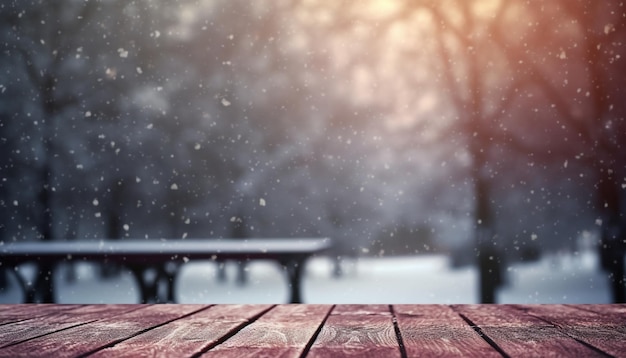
{"points": [[421, 279], [558, 278]]}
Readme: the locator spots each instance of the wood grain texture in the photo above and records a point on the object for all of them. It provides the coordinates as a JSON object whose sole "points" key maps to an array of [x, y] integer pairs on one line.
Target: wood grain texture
{"points": [[615, 310], [604, 332], [520, 334], [187, 336], [438, 331], [312, 330], [357, 330], [378, 310], [19, 312], [26, 330], [110, 329], [284, 331]]}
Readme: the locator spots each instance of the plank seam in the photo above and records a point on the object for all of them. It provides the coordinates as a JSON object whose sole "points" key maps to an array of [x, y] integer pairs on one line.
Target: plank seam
{"points": [[58, 330], [17, 320], [578, 307], [40, 316], [589, 346], [585, 308], [233, 332], [482, 335], [118, 341], [46, 334], [317, 332], [396, 328], [563, 331]]}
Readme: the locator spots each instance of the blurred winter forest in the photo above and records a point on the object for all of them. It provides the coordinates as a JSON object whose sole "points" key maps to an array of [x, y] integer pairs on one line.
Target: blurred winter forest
{"points": [[393, 127]]}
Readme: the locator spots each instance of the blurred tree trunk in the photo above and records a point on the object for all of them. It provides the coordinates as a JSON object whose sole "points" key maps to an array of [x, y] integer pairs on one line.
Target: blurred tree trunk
{"points": [[603, 126], [612, 246], [116, 210], [45, 278], [239, 232], [588, 118], [463, 60], [43, 65]]}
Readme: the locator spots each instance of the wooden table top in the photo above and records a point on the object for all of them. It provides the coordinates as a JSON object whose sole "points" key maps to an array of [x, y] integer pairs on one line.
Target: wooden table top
{"points": [[312, 330]]}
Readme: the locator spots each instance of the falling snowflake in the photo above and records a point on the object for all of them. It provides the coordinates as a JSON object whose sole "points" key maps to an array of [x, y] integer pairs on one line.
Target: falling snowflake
{"points": [[225, 102]]}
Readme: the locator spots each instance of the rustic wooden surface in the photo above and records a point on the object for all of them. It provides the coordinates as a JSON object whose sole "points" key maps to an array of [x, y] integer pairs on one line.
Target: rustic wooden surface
{"points": [[312, 330]]}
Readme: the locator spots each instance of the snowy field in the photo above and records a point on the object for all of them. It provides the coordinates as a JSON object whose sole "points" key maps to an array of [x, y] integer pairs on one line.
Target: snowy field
{"points": [[422, 279]]}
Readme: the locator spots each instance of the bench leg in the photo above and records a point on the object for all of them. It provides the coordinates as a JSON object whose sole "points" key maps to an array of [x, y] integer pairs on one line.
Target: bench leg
{"points": [[34, 290], [242, 273], [27, 287], [221, 270], [294, 274], [45, 283], [168, 277], [151, 278], [146, 287]]}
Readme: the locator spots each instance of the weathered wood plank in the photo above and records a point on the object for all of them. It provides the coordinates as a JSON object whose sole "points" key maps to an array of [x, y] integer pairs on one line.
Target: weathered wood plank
{"points": [[355, 309], [357, 330], [19, 312], [293, 330], [187, 336], [618, 310], [25, 330], [606, 333], [98, 334], [519, 334], [436, 330], [284, 331]]}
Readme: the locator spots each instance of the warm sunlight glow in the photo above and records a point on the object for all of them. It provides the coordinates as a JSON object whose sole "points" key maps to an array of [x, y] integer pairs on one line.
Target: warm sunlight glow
{"points": [[384, 8], [486, 8]]}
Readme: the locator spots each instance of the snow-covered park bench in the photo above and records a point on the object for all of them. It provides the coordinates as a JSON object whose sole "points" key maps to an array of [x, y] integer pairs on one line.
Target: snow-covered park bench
{"points": [[155, 263]]}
